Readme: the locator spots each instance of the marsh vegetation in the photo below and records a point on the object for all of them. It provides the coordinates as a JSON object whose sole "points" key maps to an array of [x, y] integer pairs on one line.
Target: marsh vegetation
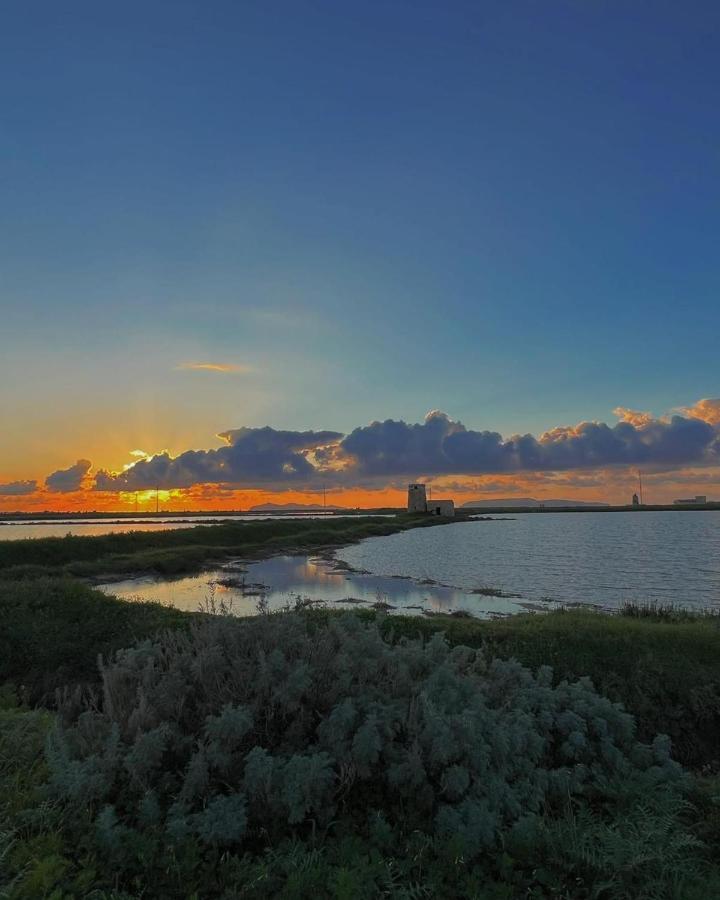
{"points": [[146, 751], [311, 753], [186, 550]]}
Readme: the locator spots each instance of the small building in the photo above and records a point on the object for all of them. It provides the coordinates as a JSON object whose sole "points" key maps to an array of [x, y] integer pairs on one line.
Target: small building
{"points": [[635, 500], [418, 502], [697, 500], [441, 508]]}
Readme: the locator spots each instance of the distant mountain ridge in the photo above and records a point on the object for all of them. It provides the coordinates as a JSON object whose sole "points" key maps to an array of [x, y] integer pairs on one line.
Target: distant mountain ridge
{"points": [[528, 502]]}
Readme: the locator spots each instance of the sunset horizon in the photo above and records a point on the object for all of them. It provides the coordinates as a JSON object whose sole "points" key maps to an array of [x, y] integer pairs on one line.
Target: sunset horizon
{"points": [[677, 453], [231, 236]]}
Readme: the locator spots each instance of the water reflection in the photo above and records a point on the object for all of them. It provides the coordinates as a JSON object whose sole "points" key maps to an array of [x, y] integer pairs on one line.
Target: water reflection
{"points": [[536, 561], [282, 580]]}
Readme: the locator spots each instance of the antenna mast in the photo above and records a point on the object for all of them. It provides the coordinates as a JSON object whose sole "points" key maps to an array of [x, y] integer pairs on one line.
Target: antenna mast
{"points": [[640, 480], [157, 499]]}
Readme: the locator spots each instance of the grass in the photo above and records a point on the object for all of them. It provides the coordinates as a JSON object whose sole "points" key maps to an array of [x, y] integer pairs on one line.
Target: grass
{"points": [[52, 631], [665, 670], [668, 612], [187, 550]]}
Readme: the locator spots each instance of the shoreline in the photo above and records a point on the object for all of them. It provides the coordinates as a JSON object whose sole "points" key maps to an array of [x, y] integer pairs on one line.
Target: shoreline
{"points": [[118, 556], [217, 516], [237, 575]]}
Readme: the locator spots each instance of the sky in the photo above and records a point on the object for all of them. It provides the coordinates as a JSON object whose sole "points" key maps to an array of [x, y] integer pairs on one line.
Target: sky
{"points": [[284, 222]]}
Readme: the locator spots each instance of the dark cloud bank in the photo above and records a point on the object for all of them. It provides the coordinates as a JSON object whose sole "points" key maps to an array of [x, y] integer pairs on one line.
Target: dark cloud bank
{"points": [[438, 446], [252, 456], [18, 488], [64, 481]]}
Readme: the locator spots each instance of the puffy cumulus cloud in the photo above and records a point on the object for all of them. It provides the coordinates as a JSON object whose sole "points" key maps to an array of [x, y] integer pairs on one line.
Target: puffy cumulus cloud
{"points": [[440, 446], [396, 448], [264, 439], [708, 410], [64, 481], [385, 454], [18, 488], [251, 456], [633, 416]]}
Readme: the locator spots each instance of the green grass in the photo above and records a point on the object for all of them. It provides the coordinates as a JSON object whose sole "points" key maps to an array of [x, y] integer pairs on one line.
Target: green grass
{"points": [[53, 630], [186, 550]]}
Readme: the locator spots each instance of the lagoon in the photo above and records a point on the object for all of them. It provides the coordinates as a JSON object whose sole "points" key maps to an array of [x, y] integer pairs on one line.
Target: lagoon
{"points": [[602, 559], [486, 568]]}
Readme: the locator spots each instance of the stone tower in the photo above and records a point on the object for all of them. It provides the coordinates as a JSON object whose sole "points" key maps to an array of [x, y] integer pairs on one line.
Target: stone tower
{"points": [[417, 500]]}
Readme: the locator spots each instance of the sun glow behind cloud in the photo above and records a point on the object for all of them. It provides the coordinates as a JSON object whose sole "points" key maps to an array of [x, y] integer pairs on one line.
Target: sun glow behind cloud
{"points": [[604, 485], [370, 466]]}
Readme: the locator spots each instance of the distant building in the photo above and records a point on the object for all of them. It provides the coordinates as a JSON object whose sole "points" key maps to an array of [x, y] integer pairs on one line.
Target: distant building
{"points": [[635, 500], [697, 500], [441, 508], [418, 503], [417, 499]]}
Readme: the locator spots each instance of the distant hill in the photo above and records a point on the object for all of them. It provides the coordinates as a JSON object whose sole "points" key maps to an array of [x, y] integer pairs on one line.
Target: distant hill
{"points": [[527, 502], [292, 507]]}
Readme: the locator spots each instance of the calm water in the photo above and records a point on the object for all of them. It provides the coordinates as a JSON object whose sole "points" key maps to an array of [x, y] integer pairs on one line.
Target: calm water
{"points": [[281, 580], [603, 559], [16, 531], [600, 559]]}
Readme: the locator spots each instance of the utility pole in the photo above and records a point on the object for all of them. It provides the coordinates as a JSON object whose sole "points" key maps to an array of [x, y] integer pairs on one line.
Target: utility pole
{"points": [[157, 499], [640, 480]]}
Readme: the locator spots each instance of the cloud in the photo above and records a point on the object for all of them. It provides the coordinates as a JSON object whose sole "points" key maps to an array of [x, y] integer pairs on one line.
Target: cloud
{"points": [[226, 368], [251, 456], [708, 410], [633, 416], [66, 480], [393, 450], [18, 488], [442, 446]]}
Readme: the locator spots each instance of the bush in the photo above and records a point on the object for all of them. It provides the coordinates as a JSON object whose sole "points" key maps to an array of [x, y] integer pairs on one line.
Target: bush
{"points": [[666, 672], [210, 754]]}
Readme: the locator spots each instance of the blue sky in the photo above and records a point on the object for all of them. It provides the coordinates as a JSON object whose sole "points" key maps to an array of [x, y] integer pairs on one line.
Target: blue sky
{"points": [[509, 211]]}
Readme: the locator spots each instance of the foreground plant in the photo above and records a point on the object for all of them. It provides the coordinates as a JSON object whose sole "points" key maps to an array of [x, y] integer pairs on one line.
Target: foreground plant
{"points": [[292, 757]]}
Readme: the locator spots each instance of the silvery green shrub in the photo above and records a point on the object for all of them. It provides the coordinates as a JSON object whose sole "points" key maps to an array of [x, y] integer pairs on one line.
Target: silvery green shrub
{"points": [[237, 735]]}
